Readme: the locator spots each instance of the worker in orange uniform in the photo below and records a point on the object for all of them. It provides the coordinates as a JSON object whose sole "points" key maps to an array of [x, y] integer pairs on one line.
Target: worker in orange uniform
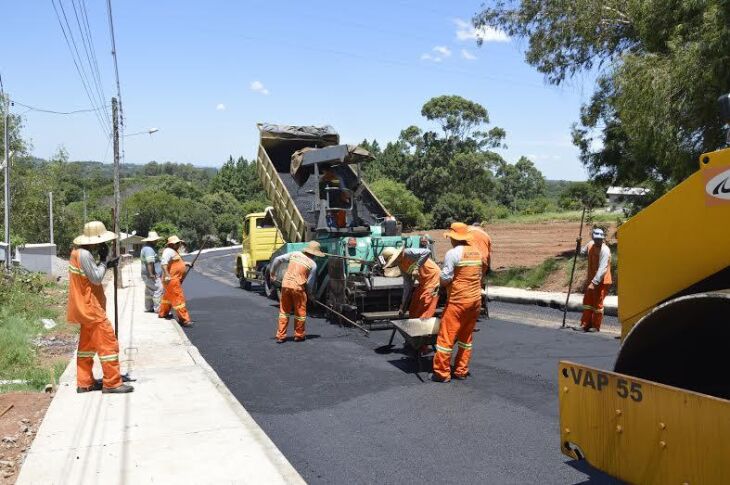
{"points": [[87, 308], [338, 198], [462, 276], [296, 286], [173, 272], [598, 281], [416, 267]]}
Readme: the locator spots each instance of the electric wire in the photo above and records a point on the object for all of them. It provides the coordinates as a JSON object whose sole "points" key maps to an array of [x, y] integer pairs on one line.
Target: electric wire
{"points": [[78, 62], [50, 111], [106, 129], [86, 40]]}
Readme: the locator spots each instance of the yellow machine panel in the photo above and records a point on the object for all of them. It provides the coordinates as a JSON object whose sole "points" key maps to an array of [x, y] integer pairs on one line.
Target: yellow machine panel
{"points": [[675, 242], [641, 431]]}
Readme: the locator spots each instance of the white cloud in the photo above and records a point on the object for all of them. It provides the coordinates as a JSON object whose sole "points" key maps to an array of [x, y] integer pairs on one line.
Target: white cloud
{"points": [[442, 50], [466, 31], [468, 55], [258, 87], [437, 54], [220, 107]]}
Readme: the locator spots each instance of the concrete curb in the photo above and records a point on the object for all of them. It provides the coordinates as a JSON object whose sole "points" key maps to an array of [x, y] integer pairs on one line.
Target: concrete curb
{"points": [[262, 439], [547, 298]]}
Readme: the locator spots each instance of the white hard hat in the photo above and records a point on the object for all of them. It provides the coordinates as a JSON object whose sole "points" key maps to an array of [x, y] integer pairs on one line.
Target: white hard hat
{"points": [[598, 234]]}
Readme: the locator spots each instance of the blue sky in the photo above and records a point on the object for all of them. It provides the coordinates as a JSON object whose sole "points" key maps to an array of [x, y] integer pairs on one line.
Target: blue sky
{"points": [[205, 73]]}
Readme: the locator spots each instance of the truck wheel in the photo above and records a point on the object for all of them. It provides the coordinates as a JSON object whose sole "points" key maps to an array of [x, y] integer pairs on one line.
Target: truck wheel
{"points": [[269, 289]]}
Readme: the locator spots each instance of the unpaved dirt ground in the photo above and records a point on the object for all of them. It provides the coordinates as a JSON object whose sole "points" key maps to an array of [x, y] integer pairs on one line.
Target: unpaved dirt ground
{"points": [[18, 427], [525, 245]]}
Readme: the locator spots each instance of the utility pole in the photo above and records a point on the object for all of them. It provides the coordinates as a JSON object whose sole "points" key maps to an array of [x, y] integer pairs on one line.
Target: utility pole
{"points": [[50, 213], [6, 159], [84, 205], [117, 195]]}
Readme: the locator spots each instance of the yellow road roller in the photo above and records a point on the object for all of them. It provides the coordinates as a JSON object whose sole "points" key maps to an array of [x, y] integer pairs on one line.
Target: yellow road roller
{"points": [[663, 414]]}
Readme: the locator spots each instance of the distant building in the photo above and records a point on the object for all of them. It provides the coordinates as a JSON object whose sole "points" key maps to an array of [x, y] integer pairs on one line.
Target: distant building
{"points": [[130, 243], [618, 197]]}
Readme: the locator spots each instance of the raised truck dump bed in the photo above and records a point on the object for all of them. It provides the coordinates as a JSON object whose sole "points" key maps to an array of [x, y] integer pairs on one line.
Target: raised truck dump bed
{"points": [[294, 205]]}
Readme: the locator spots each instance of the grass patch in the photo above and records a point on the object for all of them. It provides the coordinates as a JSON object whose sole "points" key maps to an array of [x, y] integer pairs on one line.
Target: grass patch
{"points": [[24, 300], [525, 277]]}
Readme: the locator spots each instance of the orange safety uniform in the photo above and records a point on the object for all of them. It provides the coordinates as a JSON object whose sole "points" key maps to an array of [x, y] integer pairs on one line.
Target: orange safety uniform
{"points": [[593, 299], [87, 308], [483, 242], [461, 313], [293, 297], [174, 296], [425, 297]]}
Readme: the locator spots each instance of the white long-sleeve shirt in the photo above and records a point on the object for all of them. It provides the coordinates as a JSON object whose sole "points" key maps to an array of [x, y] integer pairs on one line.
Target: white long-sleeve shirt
{"points": [[311, 279], [603, 258], [452, 258], [94, 272]]}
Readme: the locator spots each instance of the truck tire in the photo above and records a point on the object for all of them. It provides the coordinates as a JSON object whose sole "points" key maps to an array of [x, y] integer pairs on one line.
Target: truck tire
{"points": [[269, 289]]}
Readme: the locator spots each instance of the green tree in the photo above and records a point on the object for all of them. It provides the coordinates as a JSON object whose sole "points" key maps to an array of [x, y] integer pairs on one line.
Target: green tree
{"points": [[400, 202], [662, 65], [521, 181], [582, 194], [456, 207], [239, 178]]}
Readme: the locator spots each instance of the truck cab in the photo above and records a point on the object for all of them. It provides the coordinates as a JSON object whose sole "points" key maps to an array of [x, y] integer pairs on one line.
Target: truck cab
{"points": [[260, 239]]}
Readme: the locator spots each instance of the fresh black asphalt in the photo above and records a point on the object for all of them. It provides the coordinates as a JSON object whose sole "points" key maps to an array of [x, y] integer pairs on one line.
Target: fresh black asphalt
{"points": [[343, 409]]}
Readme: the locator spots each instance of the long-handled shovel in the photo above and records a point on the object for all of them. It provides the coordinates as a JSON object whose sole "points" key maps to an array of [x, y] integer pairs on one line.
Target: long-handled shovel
{"points": [[202, 246], [572, 271]]}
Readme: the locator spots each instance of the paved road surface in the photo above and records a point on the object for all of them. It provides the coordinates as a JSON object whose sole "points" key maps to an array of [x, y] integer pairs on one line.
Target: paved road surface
{"points": [[344, 411]]}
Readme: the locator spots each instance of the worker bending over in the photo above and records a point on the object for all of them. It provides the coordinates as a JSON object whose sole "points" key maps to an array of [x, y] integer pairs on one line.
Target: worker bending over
{"points": [[87, 308], [174, 270], [296, 286], [419, 271], [152, 282], [598, 281], [462, 275]]}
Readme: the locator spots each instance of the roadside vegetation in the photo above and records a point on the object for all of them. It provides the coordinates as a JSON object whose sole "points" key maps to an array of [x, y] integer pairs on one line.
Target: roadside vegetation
{"points": [[553, 274], [30, 353]]}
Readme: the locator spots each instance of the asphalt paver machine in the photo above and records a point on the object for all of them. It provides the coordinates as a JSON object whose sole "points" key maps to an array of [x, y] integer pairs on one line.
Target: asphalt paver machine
{"points": [[291, 163]]}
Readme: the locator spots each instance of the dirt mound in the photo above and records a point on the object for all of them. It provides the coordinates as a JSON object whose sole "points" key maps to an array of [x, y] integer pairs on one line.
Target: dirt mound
{"points": [[525, 245]]}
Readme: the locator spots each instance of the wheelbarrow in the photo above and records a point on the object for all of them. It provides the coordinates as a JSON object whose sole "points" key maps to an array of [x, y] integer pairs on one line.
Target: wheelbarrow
{"points": [[417, 333]]}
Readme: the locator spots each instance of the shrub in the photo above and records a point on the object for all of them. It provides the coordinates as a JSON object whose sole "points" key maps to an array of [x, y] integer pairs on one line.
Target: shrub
{"points": [[454, 207], [400, 202]]}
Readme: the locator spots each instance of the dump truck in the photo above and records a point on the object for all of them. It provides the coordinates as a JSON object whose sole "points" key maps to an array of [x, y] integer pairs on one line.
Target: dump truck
{"points": [[260, 239], [663, 414], [290, 163]]}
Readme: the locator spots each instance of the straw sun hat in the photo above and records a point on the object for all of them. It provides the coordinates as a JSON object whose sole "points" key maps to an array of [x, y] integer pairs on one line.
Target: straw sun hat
{"points": [[174, 240], [94, 233], [152, 237]]}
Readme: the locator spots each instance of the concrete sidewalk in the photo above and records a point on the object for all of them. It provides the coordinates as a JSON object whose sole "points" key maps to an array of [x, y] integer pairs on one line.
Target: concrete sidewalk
{"points": [[548, 298], [180, 425]]}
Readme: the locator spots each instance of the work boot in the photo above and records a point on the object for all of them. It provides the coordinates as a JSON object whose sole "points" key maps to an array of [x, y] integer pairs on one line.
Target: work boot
{"points": [[299, 339], [123, 389], [189, 323], [460, 377], [436, 378], [96, 386], [280, 340]]}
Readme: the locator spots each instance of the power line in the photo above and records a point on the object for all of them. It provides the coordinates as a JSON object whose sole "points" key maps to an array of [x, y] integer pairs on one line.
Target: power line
{"points": [[103, 123], [50, 111], [85, 36]]}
